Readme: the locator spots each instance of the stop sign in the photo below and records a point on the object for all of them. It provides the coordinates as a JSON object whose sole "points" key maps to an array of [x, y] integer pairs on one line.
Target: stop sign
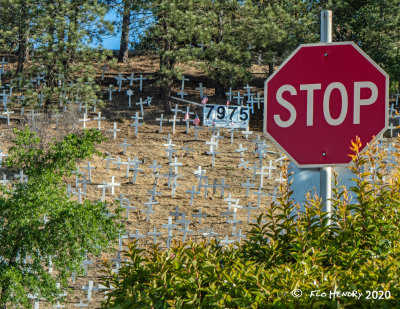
{"points": [[321, 98]]}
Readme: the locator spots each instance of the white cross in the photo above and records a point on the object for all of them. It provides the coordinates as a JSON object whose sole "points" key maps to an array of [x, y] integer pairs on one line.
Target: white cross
{"points": [[89, 289], [119, 79], [262, 173], [246, 133], [213, 143], [7, 113], [113, 184], [99, 118], [141, 106], [136, 124], [176, 110], [103, 186], [239, 98], [22, 177], [182, 94], [161, 119], [84, 120], [199, 171], [248, 88], [176, 164], [89, 168], [131, 79], [124, 146], [174, 120], [201, 89], [229, 93], [269, 168], [114, 130], [4, 181], [141, 79]]}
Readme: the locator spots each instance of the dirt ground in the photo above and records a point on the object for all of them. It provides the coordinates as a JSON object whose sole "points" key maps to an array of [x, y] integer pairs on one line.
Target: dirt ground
{"points": [[149, 146]]}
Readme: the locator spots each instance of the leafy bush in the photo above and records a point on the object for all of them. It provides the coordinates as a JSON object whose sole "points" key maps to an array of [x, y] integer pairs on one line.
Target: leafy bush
{"points": [[39, 221], [294, 250]]}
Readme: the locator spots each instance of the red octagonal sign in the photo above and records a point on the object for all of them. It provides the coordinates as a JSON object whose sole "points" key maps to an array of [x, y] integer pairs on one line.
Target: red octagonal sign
{"points": [[321, 98]]}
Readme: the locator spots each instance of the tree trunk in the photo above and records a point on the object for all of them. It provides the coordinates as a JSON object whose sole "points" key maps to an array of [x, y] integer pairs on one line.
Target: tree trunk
{"points": [[166, 65], [270, 68], [164, 95], [2, 298], [124, 46], [50, 74], [220, 91], [22, 55]]}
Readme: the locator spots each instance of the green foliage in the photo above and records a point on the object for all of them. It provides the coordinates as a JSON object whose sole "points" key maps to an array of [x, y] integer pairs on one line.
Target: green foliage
{"points": [[39, 221], [372, 25], [55, 36], [174, 25], [294, 249]]}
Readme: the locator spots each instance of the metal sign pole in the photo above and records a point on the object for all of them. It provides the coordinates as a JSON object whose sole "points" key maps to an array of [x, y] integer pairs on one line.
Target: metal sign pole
{"points": [[326, 172]]}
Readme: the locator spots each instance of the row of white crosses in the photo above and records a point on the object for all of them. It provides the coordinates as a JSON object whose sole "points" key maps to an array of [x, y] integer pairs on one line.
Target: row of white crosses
{"points": [[251, 98], [184, 222], [230, 214], [131, 79]]}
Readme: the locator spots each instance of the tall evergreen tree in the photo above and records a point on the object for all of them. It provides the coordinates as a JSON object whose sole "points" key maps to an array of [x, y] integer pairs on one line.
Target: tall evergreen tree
{"points": [[175, 25], [131, 16], [373, 25], [60, 34], [226, 57]]}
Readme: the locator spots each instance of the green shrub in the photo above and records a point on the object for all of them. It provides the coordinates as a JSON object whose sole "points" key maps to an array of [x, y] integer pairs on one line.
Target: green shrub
{"points": [[295, 249]]}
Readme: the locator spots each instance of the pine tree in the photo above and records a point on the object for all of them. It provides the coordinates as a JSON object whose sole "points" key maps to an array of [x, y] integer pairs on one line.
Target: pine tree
{"points": [[224, 53], [59, 34], [175, 26], [372, 25], [280, 27]]}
